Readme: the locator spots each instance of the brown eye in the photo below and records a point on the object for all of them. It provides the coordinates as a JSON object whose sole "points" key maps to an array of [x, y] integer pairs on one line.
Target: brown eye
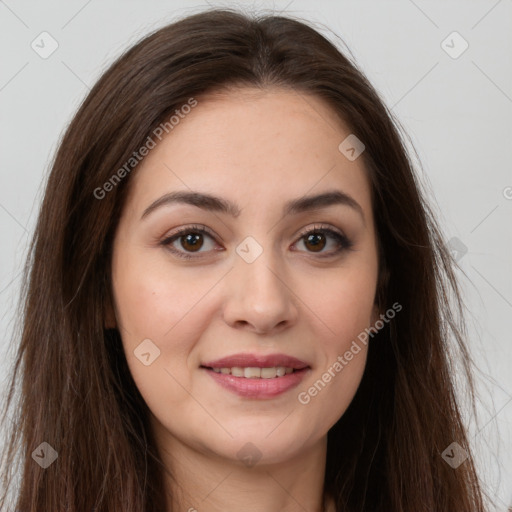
{"points": [[192, 241], [315, 242], [317, 239]]}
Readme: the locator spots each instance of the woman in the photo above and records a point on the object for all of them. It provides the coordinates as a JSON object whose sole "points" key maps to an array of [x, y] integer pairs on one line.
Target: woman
{"points": [[301, 360]]}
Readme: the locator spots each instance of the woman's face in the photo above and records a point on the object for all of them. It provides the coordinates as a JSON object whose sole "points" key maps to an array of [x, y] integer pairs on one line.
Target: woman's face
{"points": [[255, 284]]}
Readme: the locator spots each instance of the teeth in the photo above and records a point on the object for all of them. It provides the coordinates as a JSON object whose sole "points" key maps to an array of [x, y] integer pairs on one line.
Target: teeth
{"points": [[251, 373], [268, 373], [237, 371], [255, 373]]}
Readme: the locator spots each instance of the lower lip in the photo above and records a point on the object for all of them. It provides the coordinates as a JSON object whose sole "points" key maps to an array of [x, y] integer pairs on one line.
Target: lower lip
{"points": [[258, 388]]}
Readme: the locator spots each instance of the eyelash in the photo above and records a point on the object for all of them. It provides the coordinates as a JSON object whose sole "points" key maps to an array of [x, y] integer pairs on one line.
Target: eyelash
{"points": [[344, 243]]}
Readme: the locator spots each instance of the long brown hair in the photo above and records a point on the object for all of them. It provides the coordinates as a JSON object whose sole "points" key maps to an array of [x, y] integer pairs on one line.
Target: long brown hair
{"points": [[77, 394]]}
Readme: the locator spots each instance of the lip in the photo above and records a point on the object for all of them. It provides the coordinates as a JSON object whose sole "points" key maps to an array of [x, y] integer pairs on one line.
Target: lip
{"points": [[257, 361], [258, 388]]}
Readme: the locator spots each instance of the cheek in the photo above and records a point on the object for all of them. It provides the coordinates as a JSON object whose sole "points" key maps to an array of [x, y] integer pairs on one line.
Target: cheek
{"points": [[344, 303], [159, 313], [343, 306], [153, 299], [165, 305]]}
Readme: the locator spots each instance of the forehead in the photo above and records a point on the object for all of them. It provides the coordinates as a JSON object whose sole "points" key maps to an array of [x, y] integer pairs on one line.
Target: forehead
{"points": [[253, 146]]}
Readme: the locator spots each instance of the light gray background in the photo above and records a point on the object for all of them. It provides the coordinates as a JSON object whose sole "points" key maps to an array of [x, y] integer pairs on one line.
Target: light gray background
{"points": [[457, 111]]}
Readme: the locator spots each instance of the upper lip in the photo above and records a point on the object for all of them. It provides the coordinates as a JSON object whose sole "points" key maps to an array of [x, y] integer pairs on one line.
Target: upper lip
{"points": [[257, 361]]}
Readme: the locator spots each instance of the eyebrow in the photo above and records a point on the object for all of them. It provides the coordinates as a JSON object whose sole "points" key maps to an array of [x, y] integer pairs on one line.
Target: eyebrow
{"points": [[217, 204]]}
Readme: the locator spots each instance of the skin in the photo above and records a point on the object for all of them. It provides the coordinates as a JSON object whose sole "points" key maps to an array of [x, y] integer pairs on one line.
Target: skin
{"points": [[259, 149]]}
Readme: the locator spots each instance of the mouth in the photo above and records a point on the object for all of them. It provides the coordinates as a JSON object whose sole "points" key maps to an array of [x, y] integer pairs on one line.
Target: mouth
{"points": [[254, 372], [255, 376]]}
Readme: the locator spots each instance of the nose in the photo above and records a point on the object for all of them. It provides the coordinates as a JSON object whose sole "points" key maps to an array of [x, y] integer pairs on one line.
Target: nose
{"points": [[259, 296]]}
